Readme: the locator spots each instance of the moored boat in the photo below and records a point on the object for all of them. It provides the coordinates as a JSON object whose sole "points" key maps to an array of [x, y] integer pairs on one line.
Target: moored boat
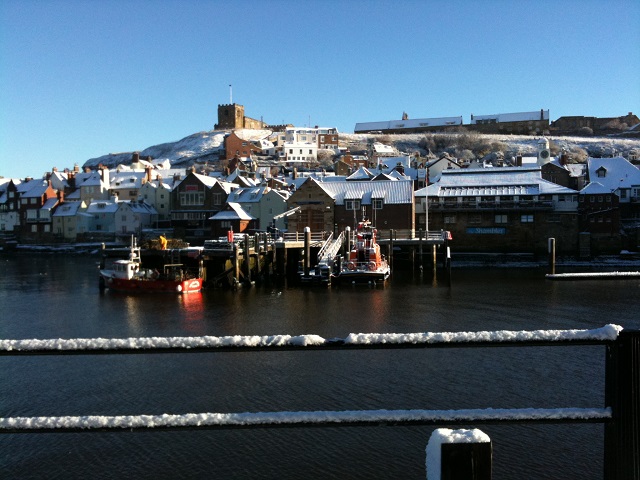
{"points": [[128, 275], [365, 262]]}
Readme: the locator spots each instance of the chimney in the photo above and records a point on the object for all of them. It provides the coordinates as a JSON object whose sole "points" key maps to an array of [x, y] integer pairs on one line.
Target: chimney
{"points": [[135, 158], [563, 158], [76, 168], [541, 114], [148, 173], [519, 160]]}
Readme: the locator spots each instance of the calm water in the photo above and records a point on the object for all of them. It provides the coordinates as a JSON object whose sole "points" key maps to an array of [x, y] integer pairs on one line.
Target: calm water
{"points": [[45, 297]]}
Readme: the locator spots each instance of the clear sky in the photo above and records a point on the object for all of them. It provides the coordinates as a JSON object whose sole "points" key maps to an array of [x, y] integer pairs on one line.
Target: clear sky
{"points": [[83, 78]]}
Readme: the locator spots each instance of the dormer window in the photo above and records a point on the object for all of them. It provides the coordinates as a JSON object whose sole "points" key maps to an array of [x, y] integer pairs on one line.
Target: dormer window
{"points": [[601, 172]]}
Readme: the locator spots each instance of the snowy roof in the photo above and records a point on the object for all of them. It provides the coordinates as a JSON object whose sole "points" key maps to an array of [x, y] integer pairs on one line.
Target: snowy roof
{"points": [[33, 189], [102, 206], [234, 212], [382, 148], [67, 209], [492, 182], [252, 135], [595, 188], [122, 180], [406, 124], [514, 117], [361, 174], [618, 172], [576, 169], [393, 191], [139, 207], [90, 179], [247, 195], [49, 204]]}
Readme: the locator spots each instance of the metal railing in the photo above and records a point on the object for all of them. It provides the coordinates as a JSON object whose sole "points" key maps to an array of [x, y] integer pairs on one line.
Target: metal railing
{"points": [[620, 415]]}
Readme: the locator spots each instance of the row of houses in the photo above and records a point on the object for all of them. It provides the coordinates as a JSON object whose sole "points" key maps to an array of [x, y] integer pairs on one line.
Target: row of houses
{"points": [[524, 123], [487, 208]]}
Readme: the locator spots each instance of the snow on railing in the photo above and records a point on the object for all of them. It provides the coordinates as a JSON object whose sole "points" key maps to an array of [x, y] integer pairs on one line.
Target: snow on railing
{"points": [[606, 333], [348, 417]]}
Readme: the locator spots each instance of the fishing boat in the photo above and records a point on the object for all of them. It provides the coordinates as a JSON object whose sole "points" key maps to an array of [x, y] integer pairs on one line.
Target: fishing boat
{"points": [[128, 275], [365, 263]]}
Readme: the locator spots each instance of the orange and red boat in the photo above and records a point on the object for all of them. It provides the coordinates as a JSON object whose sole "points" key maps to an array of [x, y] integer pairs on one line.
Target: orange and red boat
{"points": [[365, 262], [128, 275]]}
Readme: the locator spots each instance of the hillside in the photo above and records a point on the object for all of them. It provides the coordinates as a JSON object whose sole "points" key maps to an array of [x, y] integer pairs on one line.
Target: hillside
{"points": [[206, 146]]}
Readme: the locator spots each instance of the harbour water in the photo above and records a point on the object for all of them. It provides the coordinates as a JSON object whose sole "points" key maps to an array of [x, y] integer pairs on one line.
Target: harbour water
{"points": [[45, 296]]}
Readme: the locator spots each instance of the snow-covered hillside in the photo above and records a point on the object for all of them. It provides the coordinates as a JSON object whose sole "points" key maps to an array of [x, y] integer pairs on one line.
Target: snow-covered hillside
{"points": [[206, 146], [197, 148]]}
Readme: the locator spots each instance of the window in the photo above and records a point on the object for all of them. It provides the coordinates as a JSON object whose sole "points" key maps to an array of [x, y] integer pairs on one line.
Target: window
{"points": [[450, 219], [352, 204], [124, 218], [526, 218], [553, 218], [475, 219], [599, 198], [377, 204], [191, 198], [501, 218]]}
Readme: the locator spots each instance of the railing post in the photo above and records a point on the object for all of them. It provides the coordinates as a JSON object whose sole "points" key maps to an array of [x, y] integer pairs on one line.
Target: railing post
{"points": [[459, 455], [622, 395]]}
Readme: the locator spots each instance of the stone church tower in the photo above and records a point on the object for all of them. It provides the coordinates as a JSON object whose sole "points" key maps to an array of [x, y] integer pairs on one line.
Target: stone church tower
{"points": [[230, 116]]}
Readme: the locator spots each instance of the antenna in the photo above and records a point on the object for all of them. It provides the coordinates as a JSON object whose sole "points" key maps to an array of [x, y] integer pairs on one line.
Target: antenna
{"points": [[230, 94]]}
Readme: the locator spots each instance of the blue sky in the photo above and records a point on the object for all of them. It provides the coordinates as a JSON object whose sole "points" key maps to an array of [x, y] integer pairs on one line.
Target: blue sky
{"points": [[80, 79]]}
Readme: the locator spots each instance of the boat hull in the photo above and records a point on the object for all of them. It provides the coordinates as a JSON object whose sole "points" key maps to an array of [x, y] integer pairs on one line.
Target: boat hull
{"points": [[379, 275], [192, 285]]}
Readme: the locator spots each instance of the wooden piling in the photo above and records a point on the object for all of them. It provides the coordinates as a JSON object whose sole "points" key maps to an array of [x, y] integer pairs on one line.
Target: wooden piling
{"points": [[247, 259], [420, 247], [552, 255], [391, 233], [307, 251]]}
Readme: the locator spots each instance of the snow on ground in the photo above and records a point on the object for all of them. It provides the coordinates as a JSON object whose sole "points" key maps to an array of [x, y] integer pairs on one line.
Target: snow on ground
{"points": [[203, 146]]}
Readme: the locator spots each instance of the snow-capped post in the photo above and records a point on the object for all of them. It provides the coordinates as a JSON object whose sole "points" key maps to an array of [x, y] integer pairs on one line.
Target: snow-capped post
{"points": [[459, 455], [622, 395], [552, 255], [307, 251]]}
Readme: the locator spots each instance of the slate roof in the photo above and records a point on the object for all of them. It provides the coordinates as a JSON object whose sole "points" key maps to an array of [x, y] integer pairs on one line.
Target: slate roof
{"points": [[492, 182], [67, 209], [620, 173], [392, 191]]}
